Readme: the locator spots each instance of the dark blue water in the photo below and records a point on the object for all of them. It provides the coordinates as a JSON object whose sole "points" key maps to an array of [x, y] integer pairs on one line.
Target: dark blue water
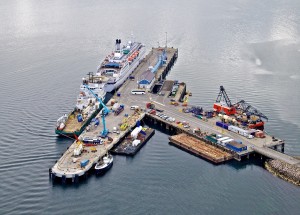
{"points": [[46, 47]]}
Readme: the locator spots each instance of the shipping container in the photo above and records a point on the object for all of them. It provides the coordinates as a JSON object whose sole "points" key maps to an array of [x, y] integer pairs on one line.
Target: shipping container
{"points": [[222, 125], [211, 139], [84, 163], [119, 110], [224, 142], [222, 139], [227, 110]]}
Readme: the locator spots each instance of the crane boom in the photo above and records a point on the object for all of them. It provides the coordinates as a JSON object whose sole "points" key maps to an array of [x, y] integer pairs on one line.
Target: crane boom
{"points": [[105, 112], [250, 110], [223, 94]]}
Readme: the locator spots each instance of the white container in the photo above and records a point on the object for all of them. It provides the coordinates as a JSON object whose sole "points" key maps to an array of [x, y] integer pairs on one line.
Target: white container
{"points": [[116, 106], [222, 139], [136, 131], [136, 142]]}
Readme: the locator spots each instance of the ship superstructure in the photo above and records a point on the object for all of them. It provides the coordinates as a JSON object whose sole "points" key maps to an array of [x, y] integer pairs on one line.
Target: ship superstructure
{"points": [[117, 66]]}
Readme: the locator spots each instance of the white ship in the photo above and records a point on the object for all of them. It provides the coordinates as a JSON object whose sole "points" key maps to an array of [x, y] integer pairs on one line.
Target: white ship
{"points": [[117, 66]]}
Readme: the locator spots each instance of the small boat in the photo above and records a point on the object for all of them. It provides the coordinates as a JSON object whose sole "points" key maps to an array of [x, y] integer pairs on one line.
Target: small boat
{"points": [[104, 164]]}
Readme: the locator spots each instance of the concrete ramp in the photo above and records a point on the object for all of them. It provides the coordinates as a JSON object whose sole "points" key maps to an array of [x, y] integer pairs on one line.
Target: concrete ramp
{"points": [[270, 153]]}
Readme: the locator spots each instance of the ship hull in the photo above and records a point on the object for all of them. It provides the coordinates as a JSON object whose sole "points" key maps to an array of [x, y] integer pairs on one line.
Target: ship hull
{"points": [[78, 132]]}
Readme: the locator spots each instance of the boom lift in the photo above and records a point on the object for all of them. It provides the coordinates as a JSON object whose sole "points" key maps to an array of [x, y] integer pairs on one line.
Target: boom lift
{"points": [[104, 113]]}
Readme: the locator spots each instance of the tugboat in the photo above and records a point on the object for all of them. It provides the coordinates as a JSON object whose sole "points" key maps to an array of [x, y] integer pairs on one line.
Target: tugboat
{"points": [[104, 164]]}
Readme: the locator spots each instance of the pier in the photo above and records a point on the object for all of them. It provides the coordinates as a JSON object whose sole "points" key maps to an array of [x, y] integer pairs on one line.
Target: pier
{"points": [[68, 166]]}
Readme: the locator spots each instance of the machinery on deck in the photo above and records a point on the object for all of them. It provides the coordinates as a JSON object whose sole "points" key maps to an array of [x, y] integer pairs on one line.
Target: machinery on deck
{"points": [[224, 106], [244, 112], [105, 111]]}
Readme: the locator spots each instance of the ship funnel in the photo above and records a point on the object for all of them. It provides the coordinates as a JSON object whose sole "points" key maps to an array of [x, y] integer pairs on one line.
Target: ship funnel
{"points": [[118, 42]]}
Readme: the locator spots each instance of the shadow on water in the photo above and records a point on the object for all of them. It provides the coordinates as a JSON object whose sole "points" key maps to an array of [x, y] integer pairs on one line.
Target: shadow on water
{"points": [[81, 181], [254, 159]]}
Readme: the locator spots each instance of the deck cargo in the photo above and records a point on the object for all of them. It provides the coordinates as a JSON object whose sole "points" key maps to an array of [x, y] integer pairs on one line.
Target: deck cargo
{"points": [[222, 125]]}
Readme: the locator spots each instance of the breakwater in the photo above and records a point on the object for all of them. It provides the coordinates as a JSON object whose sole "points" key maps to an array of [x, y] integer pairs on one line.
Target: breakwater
{"points": [[288, 172]]}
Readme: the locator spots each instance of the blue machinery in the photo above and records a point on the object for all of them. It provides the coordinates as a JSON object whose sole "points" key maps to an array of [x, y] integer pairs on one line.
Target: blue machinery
{"points": [[160, 62], [104, 113]]}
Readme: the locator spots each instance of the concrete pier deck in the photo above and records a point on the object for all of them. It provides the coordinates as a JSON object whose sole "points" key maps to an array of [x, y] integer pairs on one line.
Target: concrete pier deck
{"points": [[68, 167]]}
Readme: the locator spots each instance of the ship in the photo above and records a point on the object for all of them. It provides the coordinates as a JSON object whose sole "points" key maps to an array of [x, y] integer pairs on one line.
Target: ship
{"points": [[86, 108], [104, 164], [116, 67]]}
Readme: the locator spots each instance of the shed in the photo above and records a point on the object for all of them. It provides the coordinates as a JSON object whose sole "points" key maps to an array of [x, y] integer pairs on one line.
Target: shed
{"points": [[146, 79]]}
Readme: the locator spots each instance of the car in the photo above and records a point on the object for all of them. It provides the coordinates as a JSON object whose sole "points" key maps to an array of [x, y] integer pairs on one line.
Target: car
{"points": [[250, 136], [172, 100], [131, 78], [186, 126], [134, 107]]}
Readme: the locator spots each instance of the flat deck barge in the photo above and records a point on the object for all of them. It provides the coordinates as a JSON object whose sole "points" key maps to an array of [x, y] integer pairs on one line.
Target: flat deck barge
{"points": [[126, 147], [200, 148]]}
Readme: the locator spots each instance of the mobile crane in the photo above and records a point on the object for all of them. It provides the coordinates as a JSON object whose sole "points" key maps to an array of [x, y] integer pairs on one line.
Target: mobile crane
{"points": [[104, 113]]}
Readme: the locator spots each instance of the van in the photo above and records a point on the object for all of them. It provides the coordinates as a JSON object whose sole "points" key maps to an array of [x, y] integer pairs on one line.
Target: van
{"points": [[134, 107]]}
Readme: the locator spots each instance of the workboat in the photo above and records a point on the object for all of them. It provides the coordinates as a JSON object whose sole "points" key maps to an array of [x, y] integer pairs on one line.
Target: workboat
{"points": [[117, 66], [104, 164], [86, 108]]}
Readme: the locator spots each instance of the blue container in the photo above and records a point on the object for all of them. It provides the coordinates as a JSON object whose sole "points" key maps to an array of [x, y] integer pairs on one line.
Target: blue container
{"points": [[79, 118], [138, 123], [97, 122], [222, 125], [118, 94], [84, 163], [143, 132], [96, 141]]}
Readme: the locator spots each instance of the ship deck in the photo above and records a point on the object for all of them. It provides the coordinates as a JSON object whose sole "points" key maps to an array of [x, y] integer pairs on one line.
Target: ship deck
{"points": [[72, 124]]}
